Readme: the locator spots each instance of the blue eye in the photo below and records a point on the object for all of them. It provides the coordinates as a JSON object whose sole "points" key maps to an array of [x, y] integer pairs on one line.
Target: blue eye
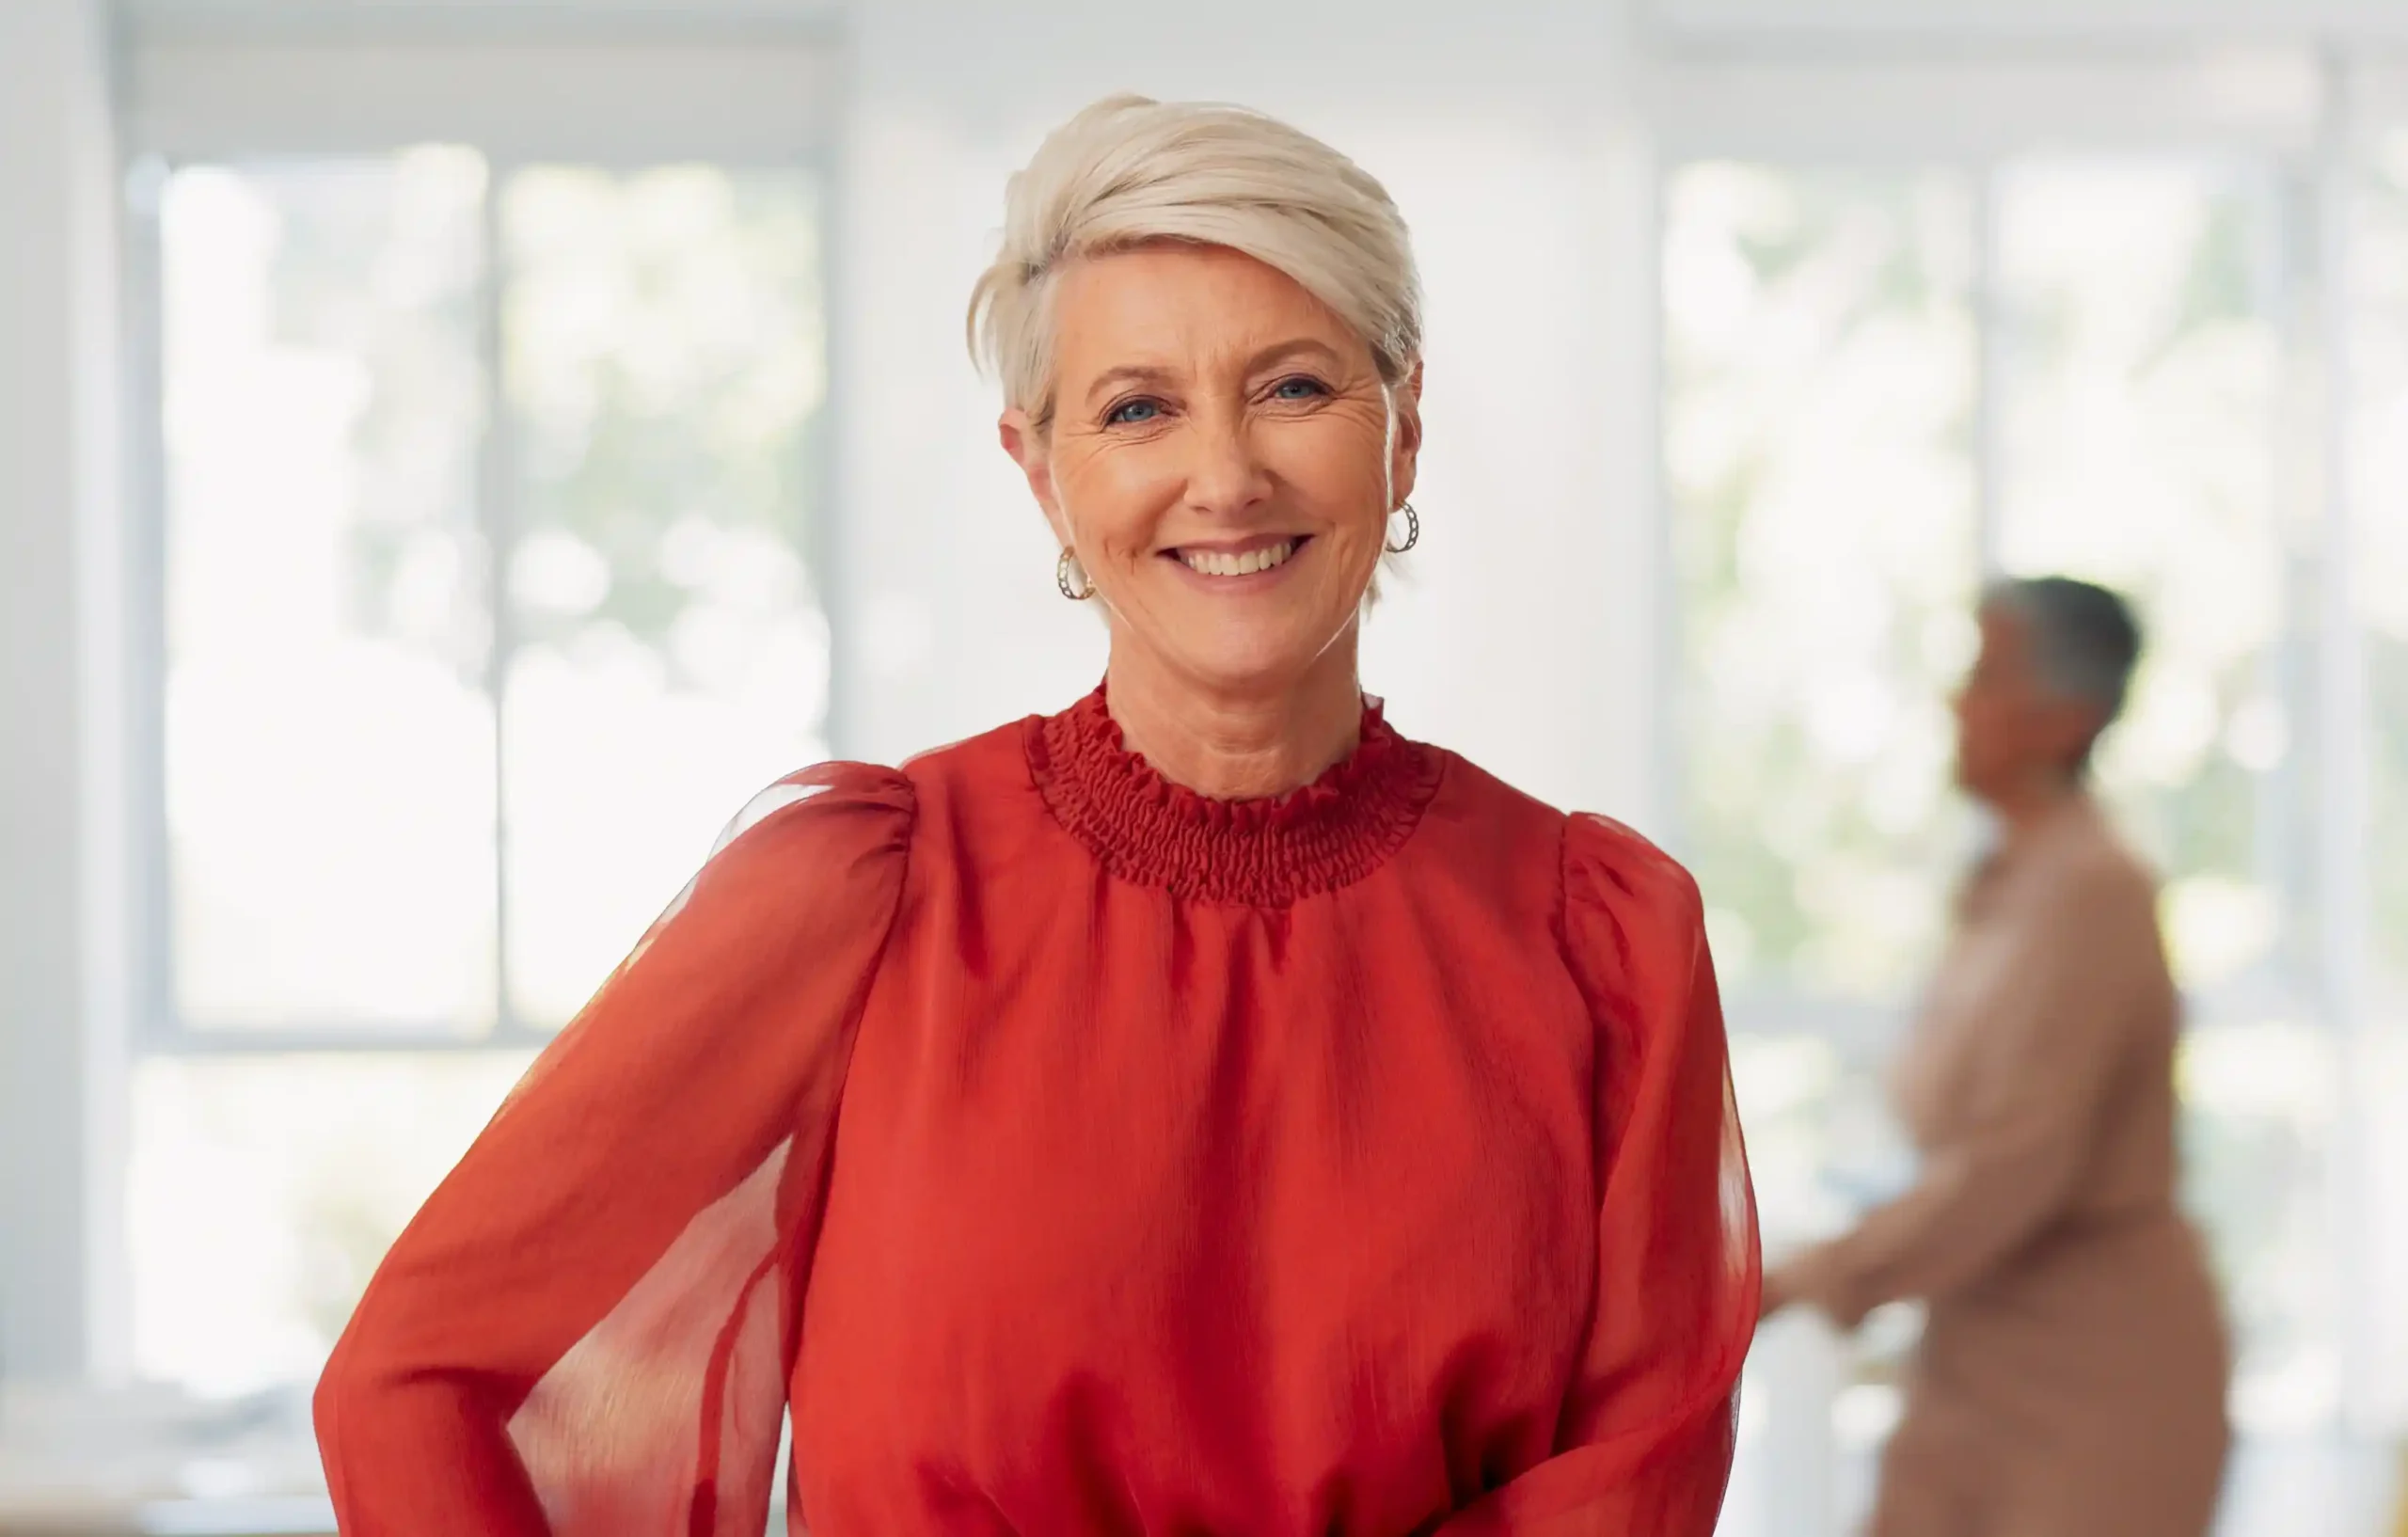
{"points": [[1129, 413], [1298, 388]]}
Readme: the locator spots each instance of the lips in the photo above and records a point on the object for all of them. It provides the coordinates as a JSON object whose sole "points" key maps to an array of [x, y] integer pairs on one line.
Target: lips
{"points": [[1238, 562]]}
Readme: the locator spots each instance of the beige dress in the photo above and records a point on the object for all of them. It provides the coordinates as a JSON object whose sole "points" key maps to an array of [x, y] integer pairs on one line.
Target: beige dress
{"points": [[2070, 1380]]}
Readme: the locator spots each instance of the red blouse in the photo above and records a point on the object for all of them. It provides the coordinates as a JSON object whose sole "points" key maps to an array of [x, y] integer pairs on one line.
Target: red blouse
{"points": [[1076, 1155]]}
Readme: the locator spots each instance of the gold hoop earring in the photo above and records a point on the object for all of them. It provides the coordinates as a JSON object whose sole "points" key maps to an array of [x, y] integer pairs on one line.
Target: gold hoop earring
{"points": [[1063, 570], [1412, 531]]}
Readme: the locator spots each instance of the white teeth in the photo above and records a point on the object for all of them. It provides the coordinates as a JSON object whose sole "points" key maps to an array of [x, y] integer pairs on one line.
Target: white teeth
{"points": [[1213, 563]]}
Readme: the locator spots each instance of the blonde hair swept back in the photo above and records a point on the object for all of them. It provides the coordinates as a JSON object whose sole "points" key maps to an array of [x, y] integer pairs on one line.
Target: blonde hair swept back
{"points": [[1132, 171]]}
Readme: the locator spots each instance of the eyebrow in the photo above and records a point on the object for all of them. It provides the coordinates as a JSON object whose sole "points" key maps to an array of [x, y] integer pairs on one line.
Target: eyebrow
{"points": [[1152, 373]]}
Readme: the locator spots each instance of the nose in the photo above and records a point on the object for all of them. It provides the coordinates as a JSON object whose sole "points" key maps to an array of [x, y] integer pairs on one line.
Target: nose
{"points": [[1226, 477]]}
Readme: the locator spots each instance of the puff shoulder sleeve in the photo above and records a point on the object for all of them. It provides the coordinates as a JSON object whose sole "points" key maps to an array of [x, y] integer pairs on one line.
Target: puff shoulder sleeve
{"points": [[589, 1326]]}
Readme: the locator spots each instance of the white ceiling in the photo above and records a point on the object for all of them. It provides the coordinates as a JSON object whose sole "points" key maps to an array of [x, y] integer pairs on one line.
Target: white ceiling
{"points": [[1943, 21], [468, 18]]}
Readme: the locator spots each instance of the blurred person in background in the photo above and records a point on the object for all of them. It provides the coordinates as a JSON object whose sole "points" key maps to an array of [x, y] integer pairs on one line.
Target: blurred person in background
{"points": [[1204, 1110], [2071, 1375]]}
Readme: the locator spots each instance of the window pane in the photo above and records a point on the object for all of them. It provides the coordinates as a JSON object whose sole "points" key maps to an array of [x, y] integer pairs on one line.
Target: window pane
{"points": [[1822, 1144], [2378, 335], [329, 747], [1820, 368], [664, 357], [2379, 564], [2140, 372], [2259, 1108], [263, 1191]]}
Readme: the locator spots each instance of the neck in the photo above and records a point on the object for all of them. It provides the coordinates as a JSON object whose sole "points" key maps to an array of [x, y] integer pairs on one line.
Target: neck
{"points": [[1237, 745], [2028, 803]]}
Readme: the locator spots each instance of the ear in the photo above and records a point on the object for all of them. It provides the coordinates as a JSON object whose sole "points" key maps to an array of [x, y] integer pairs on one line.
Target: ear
{"points": [[1028, 450], [1404, 451]]}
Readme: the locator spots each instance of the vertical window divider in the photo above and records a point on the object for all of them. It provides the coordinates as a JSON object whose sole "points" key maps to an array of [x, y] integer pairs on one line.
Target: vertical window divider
{"points": [[158, 1021], [496, 486], [824, 545], [1667, 764], [2341, 698], [1989, 364], [2289, 272]]}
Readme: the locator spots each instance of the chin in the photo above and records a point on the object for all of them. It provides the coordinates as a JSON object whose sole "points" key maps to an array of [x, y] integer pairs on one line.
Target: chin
{"points": [[1254, 665], [1248, 677]]}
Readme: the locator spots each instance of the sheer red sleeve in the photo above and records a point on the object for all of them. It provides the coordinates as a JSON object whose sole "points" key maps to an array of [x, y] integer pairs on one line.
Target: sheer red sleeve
{"points": [[1644, 1442], [588, 1328]]}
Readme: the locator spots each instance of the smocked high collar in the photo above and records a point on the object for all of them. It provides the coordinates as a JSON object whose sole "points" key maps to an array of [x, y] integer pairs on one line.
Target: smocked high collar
{"points": [[1264, 852]]}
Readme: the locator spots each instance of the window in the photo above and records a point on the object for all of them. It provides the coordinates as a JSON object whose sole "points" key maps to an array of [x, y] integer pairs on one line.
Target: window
{"points": [[1819, 413], [1820, 358], [2143, 368], [2377, 497], [1886, 378], [2142, 365], [485, 515]]}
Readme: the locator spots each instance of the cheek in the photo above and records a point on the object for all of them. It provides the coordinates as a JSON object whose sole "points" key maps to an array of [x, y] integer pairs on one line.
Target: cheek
{"points": [[1340, 470], [1113, 497]]}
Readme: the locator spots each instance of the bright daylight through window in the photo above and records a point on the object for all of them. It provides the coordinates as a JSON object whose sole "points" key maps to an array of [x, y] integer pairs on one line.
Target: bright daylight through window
{"points": [[1878, 383], [486, 500]]}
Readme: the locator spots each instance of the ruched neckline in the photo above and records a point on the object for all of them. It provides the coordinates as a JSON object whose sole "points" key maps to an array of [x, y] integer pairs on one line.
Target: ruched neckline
{"points": [[1267, 852]]}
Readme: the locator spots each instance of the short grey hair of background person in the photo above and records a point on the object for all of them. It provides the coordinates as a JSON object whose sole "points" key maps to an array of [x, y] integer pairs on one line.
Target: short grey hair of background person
{"points": [[1130, 172], [2085, 642]]}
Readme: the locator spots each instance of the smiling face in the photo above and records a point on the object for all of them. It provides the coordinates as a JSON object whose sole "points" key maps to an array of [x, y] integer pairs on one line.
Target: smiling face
{"points": [[1223, 458]]}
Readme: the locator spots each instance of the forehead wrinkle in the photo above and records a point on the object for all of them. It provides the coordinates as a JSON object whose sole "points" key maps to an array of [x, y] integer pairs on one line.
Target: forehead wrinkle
{"points": [[1190, 334]]}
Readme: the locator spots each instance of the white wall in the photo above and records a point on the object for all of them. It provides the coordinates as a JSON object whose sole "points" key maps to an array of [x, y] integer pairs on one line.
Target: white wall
{"points": [[60, 787]]}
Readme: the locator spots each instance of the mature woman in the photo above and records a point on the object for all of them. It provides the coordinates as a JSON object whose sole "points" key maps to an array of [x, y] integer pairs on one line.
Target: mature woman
{"points": [[1202, 1111], [2070, 1381]]}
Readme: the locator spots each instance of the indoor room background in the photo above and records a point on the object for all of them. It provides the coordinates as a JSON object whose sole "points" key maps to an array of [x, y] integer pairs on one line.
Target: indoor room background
{"points": [[452, 454]]}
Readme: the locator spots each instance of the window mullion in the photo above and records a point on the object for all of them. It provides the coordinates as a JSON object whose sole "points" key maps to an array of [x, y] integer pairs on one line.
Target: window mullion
{"points": [[1667, 766], [2341, 694], [2343, 950], [495, 490], [2292, 275], [158, 1019], [1989, 357]]}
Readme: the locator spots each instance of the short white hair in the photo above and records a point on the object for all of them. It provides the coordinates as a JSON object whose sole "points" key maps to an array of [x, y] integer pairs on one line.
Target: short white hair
{"points": [[1130, 171]]}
